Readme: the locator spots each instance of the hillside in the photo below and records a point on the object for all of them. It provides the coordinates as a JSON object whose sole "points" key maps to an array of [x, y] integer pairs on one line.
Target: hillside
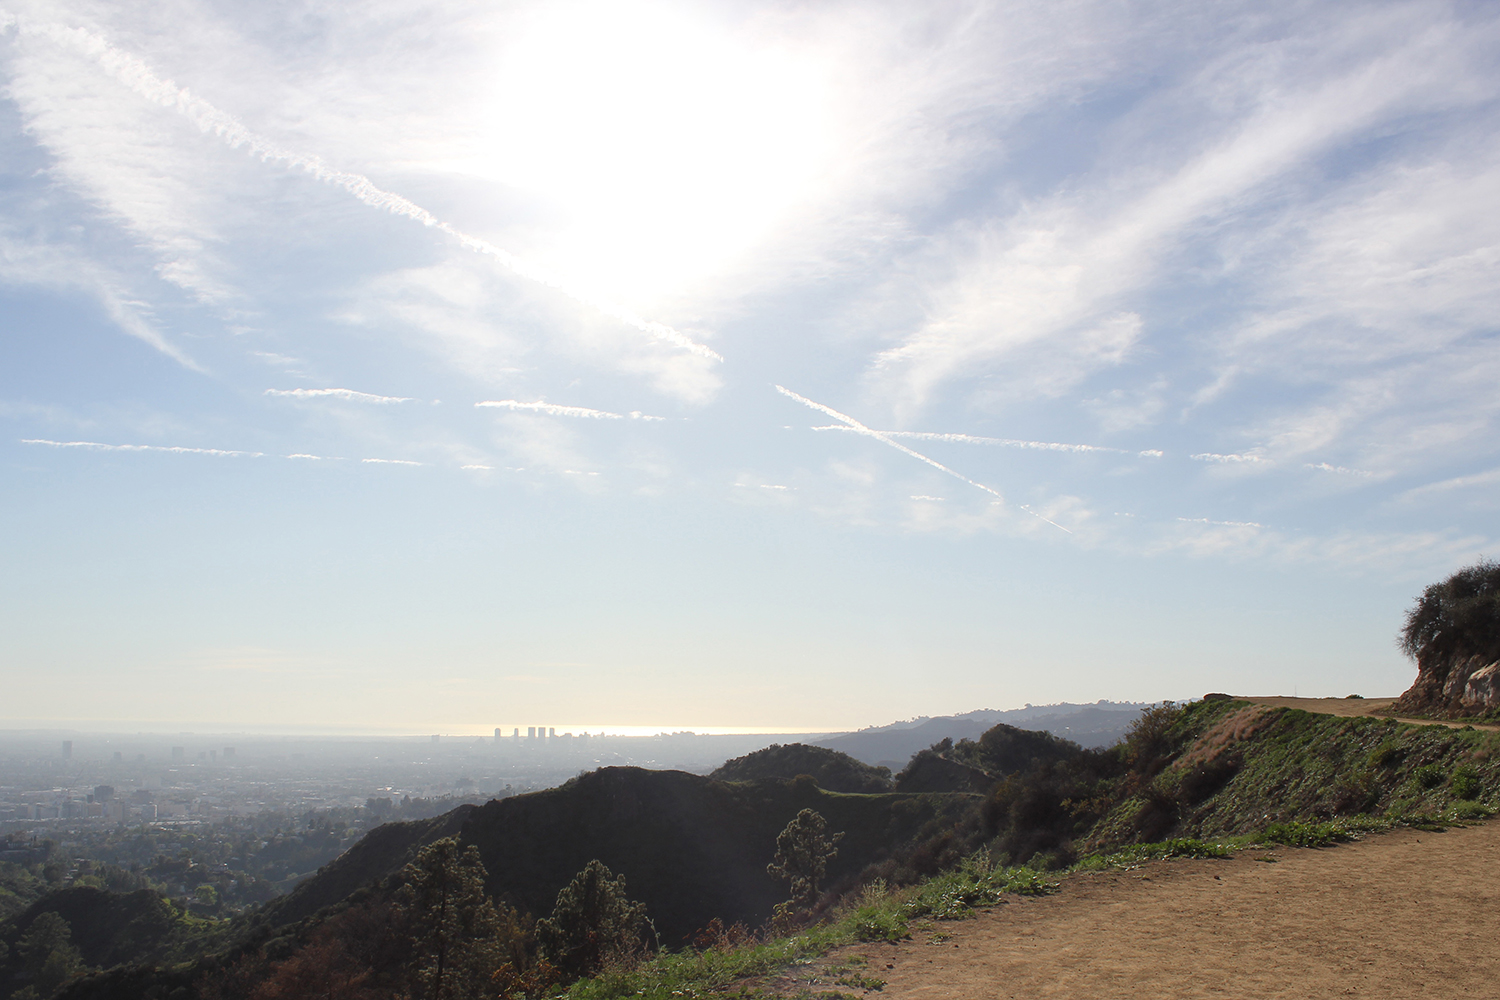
{"points": [[1095, 726], [835, 771], [692, 848]]}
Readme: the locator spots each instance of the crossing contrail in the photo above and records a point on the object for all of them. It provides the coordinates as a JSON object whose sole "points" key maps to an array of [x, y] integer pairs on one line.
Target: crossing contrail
{"points": [[139, 77], [884, 437]]}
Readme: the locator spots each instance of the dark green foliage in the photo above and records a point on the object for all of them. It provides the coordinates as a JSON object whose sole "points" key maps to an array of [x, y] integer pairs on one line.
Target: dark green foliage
{"points": [[47, 955], [837, 772], [107, 929], [454, 925], [931, 771], [1465, 783], [1301, 833], [803, 849], [1429, 776], [1003, 750], [1458, 617], [593, 923]]}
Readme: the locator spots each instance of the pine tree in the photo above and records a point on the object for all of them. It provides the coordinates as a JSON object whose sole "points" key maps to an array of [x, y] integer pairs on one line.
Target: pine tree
{"points": [[455, 924], [803, 850], [592, 922]]}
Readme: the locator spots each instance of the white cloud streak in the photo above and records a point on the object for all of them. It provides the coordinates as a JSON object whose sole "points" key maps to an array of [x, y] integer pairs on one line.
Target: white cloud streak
{"points": [[1231, 459], [389, 461], [139, 77], [346, 394], [1000, 442], [97, 446], [557, 410], [859, 428]]}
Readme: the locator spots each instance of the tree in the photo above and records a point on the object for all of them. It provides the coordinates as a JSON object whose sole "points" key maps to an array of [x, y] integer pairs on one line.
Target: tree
{"points": [[1454, 619], [803, 851], [454, 924], [48, 954], [593, 921]]}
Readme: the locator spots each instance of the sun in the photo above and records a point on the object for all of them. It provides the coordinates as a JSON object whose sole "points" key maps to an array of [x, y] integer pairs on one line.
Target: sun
{"points": [[663, 145]]}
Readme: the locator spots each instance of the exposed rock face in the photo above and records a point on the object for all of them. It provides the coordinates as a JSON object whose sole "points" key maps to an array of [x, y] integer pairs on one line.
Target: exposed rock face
{"points": [[1453, 687]]}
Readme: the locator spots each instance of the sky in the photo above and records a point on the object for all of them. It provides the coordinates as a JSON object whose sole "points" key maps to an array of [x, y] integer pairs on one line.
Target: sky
{"points": [[442, 366]]}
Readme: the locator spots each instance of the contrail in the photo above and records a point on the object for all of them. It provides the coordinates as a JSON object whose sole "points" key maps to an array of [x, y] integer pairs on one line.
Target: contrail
{"points": [[555, 410], [97, 446], [859, 428], [885, 437], [1227, 524], [1209, 456], [139, 77], [349, 394], [1001, 442]]}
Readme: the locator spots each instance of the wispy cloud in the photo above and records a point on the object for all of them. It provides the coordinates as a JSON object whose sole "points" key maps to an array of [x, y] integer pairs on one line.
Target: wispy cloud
{"points": [[348, 394], [136, 74], [1000, 442], [1226, 524], [97, 446], [557, 410], [389, 461], [1325, 467], [1489, 478], [1249, 458]]}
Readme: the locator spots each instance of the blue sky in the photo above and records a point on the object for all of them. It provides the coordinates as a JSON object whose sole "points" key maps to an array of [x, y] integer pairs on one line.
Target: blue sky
{"points": [[455, 365]]}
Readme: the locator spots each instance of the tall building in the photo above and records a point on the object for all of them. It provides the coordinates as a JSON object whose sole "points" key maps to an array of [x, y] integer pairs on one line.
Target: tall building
{"points": [[497, 734], [531, 732], [551, 733]]}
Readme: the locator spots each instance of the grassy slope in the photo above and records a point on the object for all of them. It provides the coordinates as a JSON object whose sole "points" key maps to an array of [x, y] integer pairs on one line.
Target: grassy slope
{"points": [[1233, 773], [1238, 768]]}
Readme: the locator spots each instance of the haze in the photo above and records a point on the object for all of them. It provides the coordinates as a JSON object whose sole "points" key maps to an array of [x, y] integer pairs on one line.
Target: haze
{"points": [[768, 367]]}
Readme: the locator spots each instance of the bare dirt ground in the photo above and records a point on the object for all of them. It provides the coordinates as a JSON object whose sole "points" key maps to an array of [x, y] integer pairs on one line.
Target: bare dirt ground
{"points": [[1348, 708], [1406, 914]]}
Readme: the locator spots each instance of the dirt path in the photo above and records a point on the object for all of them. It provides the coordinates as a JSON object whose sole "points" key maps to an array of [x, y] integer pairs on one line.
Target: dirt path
{"points": [[1403, 915], [1349, 707]]}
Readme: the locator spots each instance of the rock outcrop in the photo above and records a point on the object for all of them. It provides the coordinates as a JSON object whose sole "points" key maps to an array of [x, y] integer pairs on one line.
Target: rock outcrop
{"points": [[1453, 687]]}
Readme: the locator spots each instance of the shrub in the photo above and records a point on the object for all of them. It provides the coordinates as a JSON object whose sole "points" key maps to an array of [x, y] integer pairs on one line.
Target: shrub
{"points": [[1465, 783], [1428, 776], [1302, 834]]}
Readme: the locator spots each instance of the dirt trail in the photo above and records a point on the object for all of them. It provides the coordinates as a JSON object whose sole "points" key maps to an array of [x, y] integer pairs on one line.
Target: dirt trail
{"points": [[1350, 707], [1403, 915]]}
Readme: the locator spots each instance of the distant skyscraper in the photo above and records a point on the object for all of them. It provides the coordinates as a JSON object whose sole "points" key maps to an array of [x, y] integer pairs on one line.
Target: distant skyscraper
{"points": [[515, 733], [434, 737], [497, 734], [531, 732], [551, 733]]}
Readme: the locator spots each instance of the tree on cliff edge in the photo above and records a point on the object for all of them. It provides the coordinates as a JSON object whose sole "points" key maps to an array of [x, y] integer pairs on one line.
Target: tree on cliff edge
{"points": [[1457, 618]]}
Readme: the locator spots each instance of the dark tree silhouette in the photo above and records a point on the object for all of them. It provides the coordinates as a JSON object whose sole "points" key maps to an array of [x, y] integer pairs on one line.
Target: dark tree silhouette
{"points": [[593, 922], [1459, 617], [455, 925], [803, 850]]}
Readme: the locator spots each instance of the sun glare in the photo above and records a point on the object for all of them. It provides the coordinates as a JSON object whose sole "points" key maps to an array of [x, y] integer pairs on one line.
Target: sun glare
{"points": [[666, 145]]}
